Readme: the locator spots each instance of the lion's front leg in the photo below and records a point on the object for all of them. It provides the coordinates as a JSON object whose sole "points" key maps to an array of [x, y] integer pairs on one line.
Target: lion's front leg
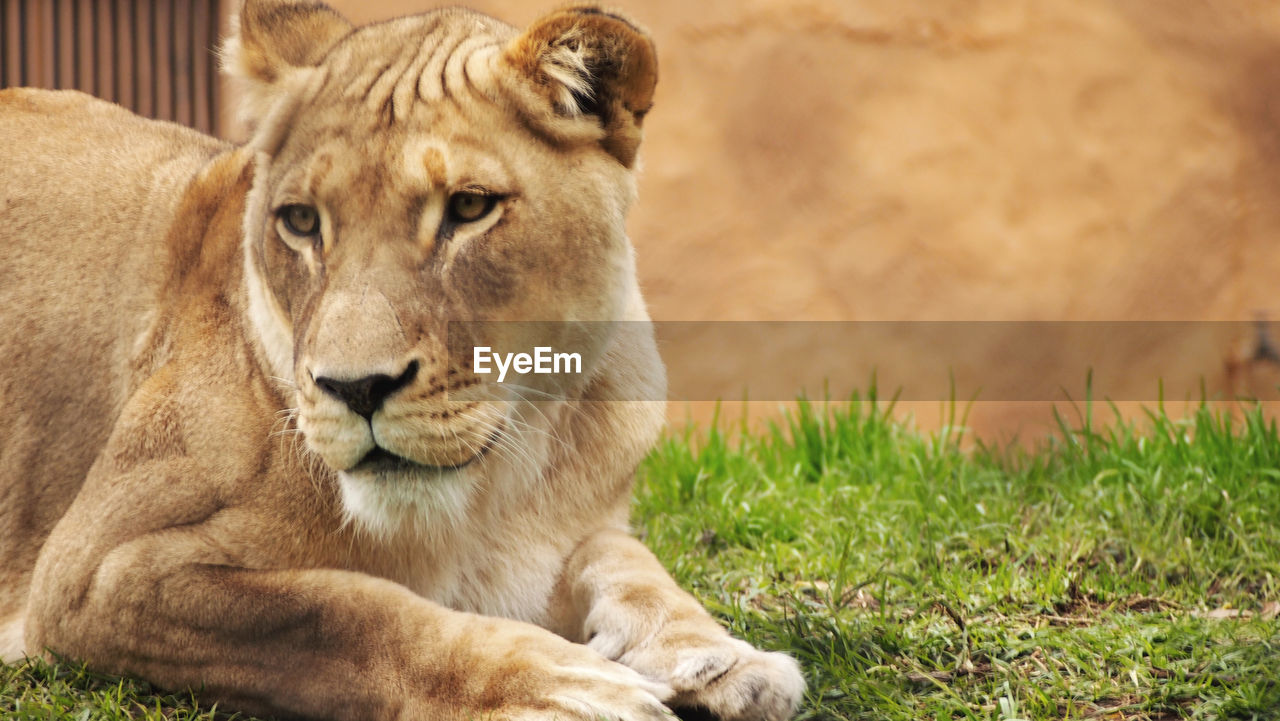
{"points": [[618, 599], [323, 644]]}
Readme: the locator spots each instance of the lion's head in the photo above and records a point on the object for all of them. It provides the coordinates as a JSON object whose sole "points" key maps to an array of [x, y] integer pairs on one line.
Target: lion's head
{"points": [[434, 169]]}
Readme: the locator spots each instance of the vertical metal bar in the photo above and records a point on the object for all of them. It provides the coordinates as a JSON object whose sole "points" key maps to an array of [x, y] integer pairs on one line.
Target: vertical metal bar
{"points": [[135, 47], [195, 92], [67, 55], [124, 23], [55, 74], [133, 39], [15, 46], [175, 67], [4, 45], [95, 48], [193, 64], [154, 47], [66, 44], [198, 54], [49, 45], [17, 43], [211, 87], [202, 60], [191, 57], [75, 45], [115, 50], [24, 69]]}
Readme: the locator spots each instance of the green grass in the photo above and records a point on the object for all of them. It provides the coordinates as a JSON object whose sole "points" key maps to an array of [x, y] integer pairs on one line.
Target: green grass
{"points": [[35, 690], [1126, 571], [1123, 573]]}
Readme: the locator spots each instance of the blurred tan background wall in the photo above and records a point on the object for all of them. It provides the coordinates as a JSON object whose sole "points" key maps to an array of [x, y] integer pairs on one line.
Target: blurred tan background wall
{"points": [[912, 160], [959, 160]]}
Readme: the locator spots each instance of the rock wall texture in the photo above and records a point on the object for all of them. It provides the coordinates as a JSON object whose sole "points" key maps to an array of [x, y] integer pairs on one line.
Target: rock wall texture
{"points": [[958, 160]]}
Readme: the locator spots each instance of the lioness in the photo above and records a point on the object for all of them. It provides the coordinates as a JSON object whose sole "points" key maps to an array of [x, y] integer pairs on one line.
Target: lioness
{"points": [[237, 453]]}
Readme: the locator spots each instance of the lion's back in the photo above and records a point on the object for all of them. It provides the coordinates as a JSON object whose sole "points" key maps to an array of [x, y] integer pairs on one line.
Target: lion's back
{"points": [[87, 190]]}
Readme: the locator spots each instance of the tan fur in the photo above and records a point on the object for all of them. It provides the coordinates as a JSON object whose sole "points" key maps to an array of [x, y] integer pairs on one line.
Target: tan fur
{"points": [[182, 494]]}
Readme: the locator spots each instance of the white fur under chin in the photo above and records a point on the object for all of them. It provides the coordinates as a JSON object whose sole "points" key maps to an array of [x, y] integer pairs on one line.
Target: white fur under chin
{"points": [[390, 506], [11, 643]]}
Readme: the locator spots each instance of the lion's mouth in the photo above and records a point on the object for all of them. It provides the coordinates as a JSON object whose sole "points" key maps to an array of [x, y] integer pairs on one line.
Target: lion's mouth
{"points": [[379, 461]]}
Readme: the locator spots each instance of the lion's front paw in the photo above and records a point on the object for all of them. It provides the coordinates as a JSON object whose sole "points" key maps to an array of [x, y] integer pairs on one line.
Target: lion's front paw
{"points": [[728, 677], [549, 678], [580, 693], [737, 682]]}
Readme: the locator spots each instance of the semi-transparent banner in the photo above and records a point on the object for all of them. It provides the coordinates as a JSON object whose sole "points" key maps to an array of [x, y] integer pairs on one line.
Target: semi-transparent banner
{"points": [[913, 360]]}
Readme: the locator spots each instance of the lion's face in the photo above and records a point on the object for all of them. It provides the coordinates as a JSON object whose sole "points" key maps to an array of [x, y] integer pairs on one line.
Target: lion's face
{"points": [[406, 181]]}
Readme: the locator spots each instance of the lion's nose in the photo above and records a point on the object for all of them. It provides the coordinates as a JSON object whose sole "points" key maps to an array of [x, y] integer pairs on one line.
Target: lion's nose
{"points": [[364, 396]]}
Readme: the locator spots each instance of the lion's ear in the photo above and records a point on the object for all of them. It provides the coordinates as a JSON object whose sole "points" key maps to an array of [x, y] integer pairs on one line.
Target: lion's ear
{"points": [[270, 39], [582, 62]]}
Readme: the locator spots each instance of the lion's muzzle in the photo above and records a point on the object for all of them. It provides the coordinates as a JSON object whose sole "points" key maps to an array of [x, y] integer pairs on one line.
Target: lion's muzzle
{"points": [[412, 422]]}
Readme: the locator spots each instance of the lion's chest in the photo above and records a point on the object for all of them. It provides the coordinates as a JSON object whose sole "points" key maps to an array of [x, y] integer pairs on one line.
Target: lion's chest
{"points": [[508, 573]]}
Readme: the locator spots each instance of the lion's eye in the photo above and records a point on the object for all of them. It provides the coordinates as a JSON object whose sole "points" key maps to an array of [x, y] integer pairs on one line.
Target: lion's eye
{"points": [[468, 207], [300, 219]]}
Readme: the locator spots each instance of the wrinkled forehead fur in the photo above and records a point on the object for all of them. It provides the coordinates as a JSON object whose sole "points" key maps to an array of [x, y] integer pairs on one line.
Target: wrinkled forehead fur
{"points": [[453, 80], [585, 61], [435, 92]]}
